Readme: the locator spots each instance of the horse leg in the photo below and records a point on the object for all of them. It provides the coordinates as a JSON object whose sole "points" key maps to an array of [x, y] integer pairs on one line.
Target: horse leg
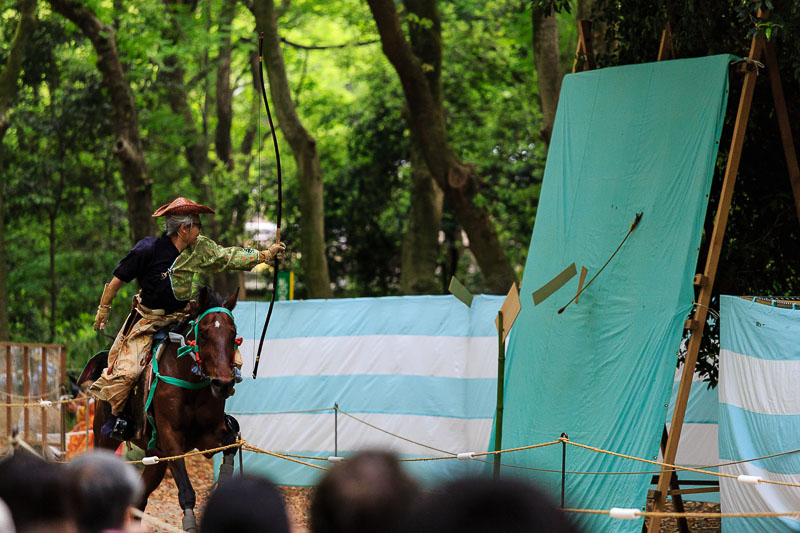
{"points": [[186, 495], [230, 437], [152, 476]]}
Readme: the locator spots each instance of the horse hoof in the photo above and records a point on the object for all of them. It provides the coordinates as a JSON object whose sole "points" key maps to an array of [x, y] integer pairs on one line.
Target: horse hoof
{"points": [[189, 522]]}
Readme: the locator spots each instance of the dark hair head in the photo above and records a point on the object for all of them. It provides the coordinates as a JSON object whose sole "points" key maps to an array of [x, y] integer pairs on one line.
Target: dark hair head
{"points": [[106, 487], [39, 494], [368, 493], [482, 505], [245, 504]]}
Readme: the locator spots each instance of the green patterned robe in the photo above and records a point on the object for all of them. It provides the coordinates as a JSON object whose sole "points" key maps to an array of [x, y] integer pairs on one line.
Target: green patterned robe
{"points": [[196, 263]]}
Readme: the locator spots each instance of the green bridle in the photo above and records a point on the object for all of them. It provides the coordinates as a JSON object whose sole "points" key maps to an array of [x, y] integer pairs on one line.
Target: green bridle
{"points": [[183, 350], [193, 348]]}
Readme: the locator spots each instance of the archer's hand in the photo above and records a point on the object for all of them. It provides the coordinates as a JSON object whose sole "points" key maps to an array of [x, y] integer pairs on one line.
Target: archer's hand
{"points": [[275, 252], [101, 318]]}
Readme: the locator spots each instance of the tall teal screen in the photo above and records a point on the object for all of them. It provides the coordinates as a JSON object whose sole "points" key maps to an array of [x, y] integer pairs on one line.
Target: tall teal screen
{"points": [[627, 140]]}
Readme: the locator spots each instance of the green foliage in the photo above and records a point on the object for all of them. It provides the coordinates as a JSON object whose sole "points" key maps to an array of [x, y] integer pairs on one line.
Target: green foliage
{"points": [[368, 200], [59, 163]]}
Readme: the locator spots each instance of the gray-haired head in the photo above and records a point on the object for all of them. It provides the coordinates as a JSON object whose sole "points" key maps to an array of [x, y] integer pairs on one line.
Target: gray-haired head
{"points": [[173, 222], [107, 487]]}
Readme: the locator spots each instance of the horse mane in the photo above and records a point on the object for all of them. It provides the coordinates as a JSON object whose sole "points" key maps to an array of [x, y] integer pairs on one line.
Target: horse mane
{"points": [[206, 299], [212, 299]]}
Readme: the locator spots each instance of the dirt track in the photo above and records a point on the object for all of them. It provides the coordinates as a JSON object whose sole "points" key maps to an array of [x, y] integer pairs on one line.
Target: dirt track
{"points": [[164, 505]]}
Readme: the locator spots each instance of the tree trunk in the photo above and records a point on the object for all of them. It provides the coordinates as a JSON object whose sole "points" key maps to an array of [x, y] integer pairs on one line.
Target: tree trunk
{"points": [[226, 282], [421, 241], [222, 133], [456, 179], [5, 334], [196, 146], [52, 248], [128, 146], [304, 149], [548, 68], [8, 89]]}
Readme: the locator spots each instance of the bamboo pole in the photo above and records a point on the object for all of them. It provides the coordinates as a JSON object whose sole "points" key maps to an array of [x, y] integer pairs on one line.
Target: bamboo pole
{"points": [[501, 372]]}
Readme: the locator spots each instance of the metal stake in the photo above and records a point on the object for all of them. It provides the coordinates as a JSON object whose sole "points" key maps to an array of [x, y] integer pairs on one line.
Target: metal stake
{"points": [[336, 429], [241, 467], [563, 466]]}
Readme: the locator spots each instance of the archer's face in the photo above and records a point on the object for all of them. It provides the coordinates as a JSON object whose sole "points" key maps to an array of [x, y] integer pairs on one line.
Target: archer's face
{"points": [[191, 232]]}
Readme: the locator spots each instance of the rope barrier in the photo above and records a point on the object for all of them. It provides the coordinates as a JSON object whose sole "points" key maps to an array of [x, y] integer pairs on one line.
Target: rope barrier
{"points": [[299, 411], [251, 448], [153, 459], [43, 403], [664, 514], [575, 472], [11, 395], [521, 448], [309, 457], [752, 460], [676, 467], [393, 434]]}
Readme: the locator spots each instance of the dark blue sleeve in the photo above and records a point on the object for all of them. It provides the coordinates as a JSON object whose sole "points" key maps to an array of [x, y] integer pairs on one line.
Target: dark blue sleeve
{"points": [[137, 259]]}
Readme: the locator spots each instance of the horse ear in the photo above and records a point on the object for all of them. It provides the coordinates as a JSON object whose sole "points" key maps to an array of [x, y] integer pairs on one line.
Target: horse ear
{"points": [[202, 297], [230, 303]]}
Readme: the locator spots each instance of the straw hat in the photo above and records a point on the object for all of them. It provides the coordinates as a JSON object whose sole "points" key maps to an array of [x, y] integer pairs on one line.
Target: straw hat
{"points": [[182, 206]]}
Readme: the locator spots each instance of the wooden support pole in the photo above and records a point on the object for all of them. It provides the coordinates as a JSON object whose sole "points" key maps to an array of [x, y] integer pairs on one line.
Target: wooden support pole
{"points": [[9, 391], [584, 55], [666, 50], [783, 123], [62, 354], [704, 298], [43, 393], [26, 390]]}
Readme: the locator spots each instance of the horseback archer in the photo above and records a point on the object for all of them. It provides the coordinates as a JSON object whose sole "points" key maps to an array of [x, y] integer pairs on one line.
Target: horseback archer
{"points": [[168, 269]]}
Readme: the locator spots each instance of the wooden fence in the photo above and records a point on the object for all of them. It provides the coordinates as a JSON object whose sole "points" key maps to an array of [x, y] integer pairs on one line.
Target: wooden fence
{"points": [[34, 375]]}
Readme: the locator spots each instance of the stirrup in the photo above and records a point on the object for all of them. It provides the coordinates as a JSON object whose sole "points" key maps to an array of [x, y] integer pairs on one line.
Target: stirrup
{"points": [[121, 430], [237, 375]]}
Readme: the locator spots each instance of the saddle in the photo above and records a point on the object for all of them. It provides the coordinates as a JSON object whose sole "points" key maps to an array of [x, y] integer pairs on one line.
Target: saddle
{"points": [[135, 405]]}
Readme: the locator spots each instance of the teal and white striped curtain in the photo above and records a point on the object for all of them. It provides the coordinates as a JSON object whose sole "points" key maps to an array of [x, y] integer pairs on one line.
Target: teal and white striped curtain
{"points": [[759, 411]]}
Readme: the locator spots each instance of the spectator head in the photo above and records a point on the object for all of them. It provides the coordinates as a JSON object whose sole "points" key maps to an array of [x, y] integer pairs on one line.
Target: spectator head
{"points": [[38, 494], [481, 505], [6, 522], [368, 493], [107, 488], [245, 504]]}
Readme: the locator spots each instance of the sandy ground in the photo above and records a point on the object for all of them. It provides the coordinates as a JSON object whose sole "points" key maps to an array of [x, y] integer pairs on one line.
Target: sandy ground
{"points": [[164, 506]]}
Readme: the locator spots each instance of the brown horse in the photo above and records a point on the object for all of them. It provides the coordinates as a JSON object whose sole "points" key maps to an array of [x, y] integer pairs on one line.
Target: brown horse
{"points": [[189, 415]]}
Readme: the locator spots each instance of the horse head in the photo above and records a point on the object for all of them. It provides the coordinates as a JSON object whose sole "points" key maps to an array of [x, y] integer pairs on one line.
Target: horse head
{"points": [[215, 335]]}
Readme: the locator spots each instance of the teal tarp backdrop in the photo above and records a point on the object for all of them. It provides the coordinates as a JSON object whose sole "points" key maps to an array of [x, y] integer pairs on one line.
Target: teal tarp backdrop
{"points": [[627, 140]]}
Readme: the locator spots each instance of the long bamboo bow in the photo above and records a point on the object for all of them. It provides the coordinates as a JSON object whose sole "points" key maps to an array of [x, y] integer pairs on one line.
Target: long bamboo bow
{"points": [[280, 198]]}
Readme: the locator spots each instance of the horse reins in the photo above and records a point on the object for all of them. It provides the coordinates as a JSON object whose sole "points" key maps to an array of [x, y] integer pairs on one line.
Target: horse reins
{"points": [[192, 346]]}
